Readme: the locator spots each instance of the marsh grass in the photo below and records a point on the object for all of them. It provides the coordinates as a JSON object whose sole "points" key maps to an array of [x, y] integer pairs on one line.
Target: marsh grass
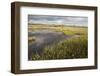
{"points": [[76, 47], [67, 49]]}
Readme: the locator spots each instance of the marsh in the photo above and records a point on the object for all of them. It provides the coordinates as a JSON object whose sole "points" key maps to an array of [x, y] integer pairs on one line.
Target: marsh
{"points": [[47, 40]]}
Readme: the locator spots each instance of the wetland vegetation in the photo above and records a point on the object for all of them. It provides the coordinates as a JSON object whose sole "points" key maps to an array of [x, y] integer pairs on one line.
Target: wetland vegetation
{"points": [[47, 42]]}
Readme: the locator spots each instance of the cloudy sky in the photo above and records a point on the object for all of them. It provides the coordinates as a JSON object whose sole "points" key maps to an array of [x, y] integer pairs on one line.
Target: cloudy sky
{"points": [[43, 19]]}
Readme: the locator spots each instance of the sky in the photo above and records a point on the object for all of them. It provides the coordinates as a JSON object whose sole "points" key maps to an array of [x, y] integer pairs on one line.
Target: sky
{"points": [[65, 20]]}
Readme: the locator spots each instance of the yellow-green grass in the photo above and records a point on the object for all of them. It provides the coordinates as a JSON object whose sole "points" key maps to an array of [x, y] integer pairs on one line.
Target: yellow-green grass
{"points": [[67, 30], [67, 49], [75, 47]]}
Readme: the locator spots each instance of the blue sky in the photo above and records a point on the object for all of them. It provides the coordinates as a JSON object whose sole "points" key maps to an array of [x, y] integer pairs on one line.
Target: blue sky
{"points": [[47, 19]]}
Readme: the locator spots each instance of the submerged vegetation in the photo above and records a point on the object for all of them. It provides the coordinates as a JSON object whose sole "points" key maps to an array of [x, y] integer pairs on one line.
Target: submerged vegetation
{"points": [[74, 47]]}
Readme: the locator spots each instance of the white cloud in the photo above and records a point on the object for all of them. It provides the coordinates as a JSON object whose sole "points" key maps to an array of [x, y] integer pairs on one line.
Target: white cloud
{"points": [[57, 20]]}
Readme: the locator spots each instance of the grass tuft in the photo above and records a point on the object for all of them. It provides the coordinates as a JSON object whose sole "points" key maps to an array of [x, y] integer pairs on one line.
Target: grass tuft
{"points": [[67, 49]]}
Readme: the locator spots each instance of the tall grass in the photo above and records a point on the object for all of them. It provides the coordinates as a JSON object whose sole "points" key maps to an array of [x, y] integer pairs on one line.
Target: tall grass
{"points": [[76, 47], [66, 49]]}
